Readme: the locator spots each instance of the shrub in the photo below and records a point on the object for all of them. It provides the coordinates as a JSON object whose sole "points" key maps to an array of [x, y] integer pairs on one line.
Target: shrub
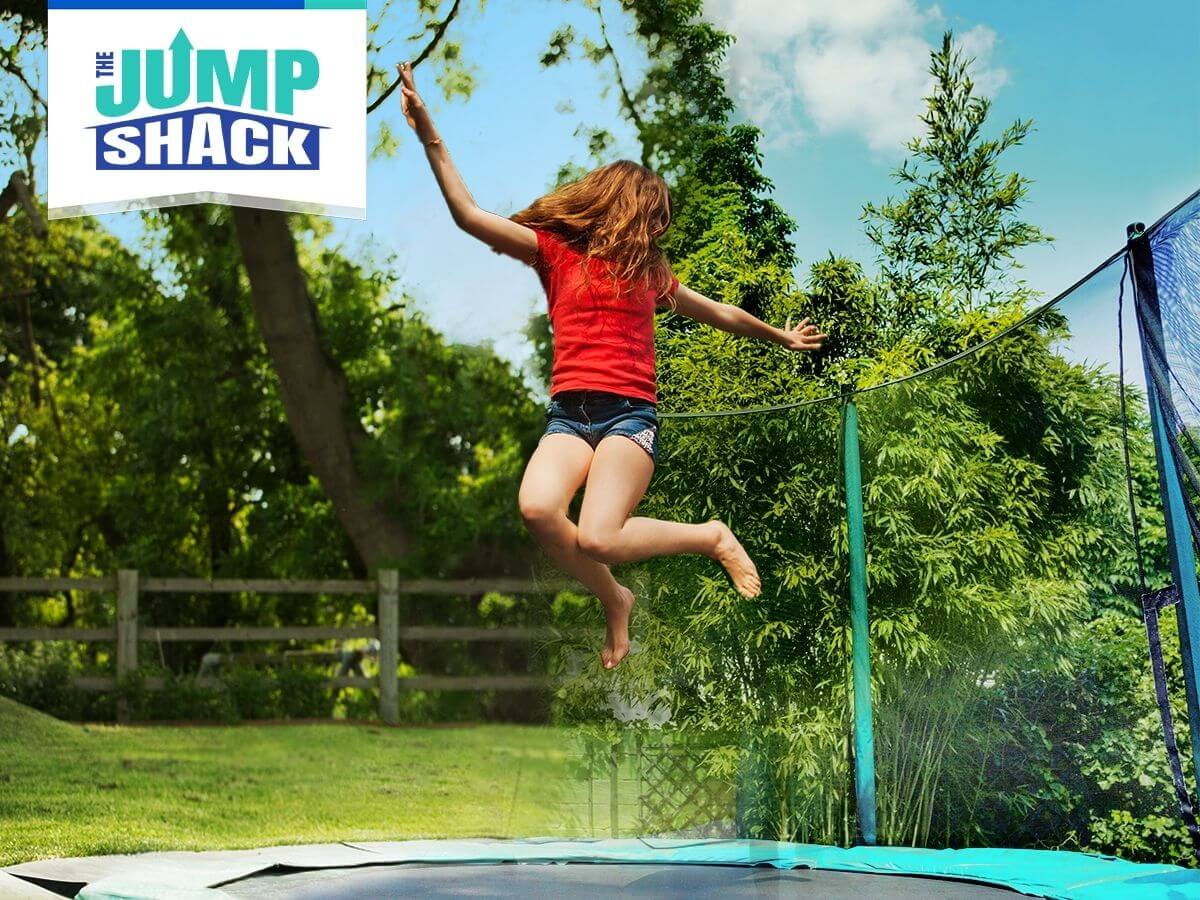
{"points": [[1083, 759], [254, 693], [302, 693], [40, 677]]}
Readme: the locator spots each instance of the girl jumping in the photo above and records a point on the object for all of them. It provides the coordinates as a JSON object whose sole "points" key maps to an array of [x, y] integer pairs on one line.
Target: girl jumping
{"points": [[593, 245]]}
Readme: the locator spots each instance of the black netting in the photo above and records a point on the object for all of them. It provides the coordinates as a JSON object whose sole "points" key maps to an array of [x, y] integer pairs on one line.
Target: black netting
{"points": [[1175, 245], [1015, 703], [1169, 311], [1007, 641], [729, 717]]}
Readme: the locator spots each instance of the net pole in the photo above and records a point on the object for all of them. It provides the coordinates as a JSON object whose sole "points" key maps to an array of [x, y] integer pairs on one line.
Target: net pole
{"points": [[864, 730], [1179, 536]]}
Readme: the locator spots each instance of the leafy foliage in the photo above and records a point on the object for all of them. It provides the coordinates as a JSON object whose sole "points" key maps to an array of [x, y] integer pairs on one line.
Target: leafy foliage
{"points": [[949, 244], [994, 497], [1082, 754], [22, 40], [142, 427]]}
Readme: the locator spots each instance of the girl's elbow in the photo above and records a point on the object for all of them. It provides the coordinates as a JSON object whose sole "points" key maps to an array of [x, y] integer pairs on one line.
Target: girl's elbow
{"points": [[462, 216], [737, 321]]}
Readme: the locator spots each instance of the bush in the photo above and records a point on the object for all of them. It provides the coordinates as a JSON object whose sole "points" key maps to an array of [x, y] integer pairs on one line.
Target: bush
{"points": [[254, 694], [1083, 759], [181, 698], [302, 693], [40, 677], [357, 704]]}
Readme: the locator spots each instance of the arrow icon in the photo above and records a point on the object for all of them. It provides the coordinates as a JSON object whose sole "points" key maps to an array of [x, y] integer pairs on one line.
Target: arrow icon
{"points": [[181, 74]]}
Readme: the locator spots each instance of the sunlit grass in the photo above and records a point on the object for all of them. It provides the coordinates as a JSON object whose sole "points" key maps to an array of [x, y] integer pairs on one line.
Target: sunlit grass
{"points": [[75, 790]]}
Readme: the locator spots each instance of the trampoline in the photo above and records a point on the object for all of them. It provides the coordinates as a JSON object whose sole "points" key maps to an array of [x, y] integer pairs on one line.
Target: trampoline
{"points": [[955, 441], [577, 869]]}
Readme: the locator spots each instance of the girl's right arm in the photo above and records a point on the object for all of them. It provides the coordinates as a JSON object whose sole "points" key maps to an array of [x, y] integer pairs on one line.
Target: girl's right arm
{"points": [[501, 234]]}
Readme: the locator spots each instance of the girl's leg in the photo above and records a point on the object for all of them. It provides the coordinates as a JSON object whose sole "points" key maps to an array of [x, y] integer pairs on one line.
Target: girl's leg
{"points": [[554, 473], [619, 475]]}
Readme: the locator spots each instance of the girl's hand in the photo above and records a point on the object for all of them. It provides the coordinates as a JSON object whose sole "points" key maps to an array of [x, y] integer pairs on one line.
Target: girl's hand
{"points": [[805, 336], [412, 105]]}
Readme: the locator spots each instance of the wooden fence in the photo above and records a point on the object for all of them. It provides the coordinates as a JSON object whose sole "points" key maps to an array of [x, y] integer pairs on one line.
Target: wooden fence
{"points": [[387, 588]]}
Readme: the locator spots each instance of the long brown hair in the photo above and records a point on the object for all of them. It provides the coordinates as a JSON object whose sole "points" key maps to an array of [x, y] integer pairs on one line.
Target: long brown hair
{"points": [[615, 213]]}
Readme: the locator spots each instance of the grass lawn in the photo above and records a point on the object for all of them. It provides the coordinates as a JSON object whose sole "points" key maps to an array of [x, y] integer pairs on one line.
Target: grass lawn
{"points": [[74, 790]]}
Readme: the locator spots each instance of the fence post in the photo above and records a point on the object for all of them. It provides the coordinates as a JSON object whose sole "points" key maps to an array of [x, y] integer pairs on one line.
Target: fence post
{"points": [[127, 632], [388, 623]]}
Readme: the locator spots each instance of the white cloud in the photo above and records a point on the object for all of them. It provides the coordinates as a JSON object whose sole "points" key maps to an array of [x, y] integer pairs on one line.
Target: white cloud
{"points": [[855, 67], [978, 44]]}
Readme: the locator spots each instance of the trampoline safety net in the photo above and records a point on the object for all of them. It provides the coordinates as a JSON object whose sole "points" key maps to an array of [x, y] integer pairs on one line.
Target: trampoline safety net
{"points": [[978, 632], [1015, 519]]}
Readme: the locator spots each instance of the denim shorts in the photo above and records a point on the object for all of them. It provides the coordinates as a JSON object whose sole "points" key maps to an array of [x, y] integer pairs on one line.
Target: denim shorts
{"points": [[594, 415]]}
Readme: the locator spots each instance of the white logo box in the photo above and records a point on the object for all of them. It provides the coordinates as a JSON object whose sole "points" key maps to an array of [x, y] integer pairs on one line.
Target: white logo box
{"points": [[214, 151]]}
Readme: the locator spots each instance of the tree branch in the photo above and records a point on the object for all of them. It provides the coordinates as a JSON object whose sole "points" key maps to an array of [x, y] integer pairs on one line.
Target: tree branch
{"points": [[609, 50], [16, 72], [438, 33], [17, 192]]}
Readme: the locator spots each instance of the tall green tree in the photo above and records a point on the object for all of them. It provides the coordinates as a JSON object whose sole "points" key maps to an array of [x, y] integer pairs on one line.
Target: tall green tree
{"points": [[321, 403], [949, 244], [993, 488], [311, 380]]}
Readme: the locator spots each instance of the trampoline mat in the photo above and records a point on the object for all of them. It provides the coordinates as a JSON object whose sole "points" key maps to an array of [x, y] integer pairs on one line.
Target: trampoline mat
{"points": [[637, 867], [575, 881]]}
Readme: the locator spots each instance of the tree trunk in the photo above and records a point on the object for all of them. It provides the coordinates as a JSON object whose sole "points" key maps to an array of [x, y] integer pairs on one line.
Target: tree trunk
{"points": [[17, 192], [316, 397]]}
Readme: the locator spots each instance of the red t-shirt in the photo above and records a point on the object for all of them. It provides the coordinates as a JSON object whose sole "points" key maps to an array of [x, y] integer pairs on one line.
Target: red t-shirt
{"points": [[602, 341]]}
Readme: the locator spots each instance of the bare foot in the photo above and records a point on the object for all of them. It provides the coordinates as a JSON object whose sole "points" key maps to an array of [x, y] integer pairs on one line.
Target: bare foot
{"points": [[730, 553], [616, 641]]}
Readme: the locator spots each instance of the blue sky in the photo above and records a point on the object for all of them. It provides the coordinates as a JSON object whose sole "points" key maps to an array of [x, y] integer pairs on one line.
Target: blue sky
{"points": [[835, 85]]}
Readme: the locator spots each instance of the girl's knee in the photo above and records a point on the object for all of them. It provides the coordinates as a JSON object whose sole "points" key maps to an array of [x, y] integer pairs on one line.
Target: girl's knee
{"points": [[539, 514], [600, 544]]}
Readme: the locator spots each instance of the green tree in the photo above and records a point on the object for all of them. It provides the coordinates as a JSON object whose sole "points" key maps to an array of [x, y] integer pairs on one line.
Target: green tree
{"points": [[949, 244], [993, 488]]}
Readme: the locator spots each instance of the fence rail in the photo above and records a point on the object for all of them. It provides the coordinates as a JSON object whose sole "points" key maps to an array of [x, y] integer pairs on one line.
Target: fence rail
{"points": [[459, 587], [387, 588]]}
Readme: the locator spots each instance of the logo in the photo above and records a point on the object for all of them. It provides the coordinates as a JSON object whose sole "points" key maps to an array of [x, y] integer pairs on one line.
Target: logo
{"points": [[246, 106], [206, 137]]}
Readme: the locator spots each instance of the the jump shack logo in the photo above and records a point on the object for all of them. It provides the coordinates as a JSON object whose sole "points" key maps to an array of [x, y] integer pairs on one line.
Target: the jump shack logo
{"points": [[246, 102]]}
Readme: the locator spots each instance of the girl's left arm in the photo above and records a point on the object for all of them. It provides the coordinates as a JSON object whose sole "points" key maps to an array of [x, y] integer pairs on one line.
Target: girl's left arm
{"points": [[735, 320]]}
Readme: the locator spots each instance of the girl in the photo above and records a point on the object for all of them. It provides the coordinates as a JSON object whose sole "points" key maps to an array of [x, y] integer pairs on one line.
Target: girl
{"points": [[593, 246]]}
